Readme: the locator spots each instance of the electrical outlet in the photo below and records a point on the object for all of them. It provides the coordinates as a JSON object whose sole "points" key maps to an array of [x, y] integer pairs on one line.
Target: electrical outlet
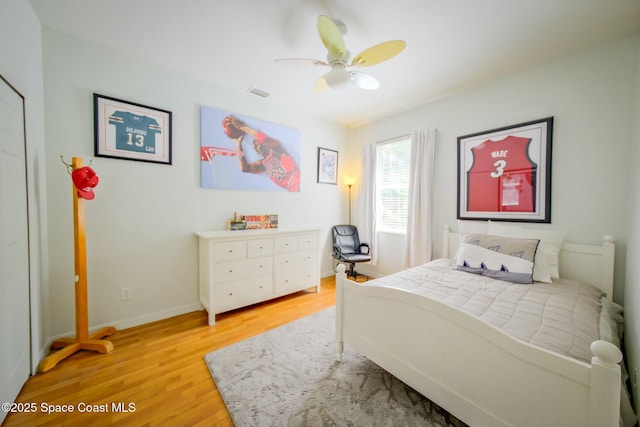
{"points": [[125, 294]]}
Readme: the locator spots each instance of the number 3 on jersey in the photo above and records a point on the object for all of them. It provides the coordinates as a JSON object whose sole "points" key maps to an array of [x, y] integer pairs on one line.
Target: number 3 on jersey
{"points": [[500, 165]]}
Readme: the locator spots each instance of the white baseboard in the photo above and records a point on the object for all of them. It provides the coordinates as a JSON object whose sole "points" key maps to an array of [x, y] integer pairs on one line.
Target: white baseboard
{"points": [[152, 317], [327, 273]]}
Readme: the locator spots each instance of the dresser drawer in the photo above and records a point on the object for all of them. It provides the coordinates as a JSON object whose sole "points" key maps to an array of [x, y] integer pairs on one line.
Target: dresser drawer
{"points": [[259, 247], [234, 270], [308, 241], [296, 260], [295, 278], [227, 251], [238, 293], [286, 244]]}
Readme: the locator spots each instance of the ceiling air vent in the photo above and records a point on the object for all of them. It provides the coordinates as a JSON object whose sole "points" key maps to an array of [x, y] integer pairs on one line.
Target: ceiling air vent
{"points": [[258, 92]]}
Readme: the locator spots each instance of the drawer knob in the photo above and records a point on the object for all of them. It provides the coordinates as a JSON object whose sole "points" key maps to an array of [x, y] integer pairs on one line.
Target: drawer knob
{"points": [[230, 251], [230, 271], [230, 294]]}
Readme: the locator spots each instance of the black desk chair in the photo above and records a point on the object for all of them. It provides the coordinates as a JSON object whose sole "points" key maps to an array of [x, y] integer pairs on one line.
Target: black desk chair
{"points": [[348, 249]]}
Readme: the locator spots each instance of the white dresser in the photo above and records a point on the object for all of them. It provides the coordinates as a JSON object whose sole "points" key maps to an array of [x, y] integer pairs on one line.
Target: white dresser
{"points": [[244, 267]]}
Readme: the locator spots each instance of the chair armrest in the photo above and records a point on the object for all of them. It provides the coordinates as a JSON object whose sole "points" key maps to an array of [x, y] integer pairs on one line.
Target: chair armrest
{"points": [[337, 252], [365, 246]]}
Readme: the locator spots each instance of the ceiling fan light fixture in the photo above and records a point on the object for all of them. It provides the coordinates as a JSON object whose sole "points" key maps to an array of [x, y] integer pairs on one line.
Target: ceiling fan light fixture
{"points": [[364, 81], [338, 78]]}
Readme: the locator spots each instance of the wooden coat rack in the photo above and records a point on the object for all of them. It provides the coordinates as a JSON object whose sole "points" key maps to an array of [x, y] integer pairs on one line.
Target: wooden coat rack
{"points": [[83, 340]]}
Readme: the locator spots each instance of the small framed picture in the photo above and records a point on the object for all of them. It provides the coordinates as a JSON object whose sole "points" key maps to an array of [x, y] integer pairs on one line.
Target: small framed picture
{"points": [[505, 174], [327, 166], [130, 131]]}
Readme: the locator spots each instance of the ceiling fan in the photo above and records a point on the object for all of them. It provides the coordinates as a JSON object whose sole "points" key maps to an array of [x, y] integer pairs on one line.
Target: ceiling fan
{"points": [[332, 33]]}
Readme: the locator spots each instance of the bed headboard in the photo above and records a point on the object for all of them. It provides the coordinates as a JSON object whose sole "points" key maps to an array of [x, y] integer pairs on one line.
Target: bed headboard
{"points": [[591, 264]]}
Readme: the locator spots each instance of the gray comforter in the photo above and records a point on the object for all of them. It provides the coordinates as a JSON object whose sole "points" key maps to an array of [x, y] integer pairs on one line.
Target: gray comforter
{"points": [[564, 317]]}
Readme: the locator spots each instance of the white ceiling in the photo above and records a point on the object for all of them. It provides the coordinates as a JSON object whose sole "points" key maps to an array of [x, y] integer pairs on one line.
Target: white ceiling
{"points": [[451, 44]]}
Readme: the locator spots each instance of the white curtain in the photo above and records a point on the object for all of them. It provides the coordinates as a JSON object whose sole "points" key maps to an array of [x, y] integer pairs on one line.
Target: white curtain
{"points": [[366, 213], [419, 241]]}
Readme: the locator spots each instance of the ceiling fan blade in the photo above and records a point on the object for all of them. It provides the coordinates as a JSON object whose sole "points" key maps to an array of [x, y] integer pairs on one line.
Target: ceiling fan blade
{"points": [[321, 85], [331, 36], [301, 62], [378, 53], [364, 80]]}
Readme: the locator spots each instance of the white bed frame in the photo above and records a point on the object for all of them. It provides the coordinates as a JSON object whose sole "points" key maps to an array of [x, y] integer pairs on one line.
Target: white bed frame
{"points": [[479, 374]]}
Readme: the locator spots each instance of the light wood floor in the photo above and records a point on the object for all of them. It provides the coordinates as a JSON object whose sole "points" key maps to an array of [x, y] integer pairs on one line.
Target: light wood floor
{"points": [[158, 368]]}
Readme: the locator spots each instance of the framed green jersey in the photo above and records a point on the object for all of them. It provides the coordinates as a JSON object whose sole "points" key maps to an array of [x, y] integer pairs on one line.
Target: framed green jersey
{"points": [[126, 130]]}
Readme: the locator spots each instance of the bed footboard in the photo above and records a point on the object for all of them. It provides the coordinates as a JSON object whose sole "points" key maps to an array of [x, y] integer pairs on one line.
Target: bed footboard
{"points": [[478, 373]]}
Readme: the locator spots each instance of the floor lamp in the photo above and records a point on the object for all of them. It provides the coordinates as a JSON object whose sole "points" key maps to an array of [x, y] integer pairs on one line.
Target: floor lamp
{"points": [[349, 181]]}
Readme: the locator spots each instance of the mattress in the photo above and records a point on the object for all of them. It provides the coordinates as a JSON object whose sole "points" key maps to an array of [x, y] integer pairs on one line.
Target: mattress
{"points": [[564, 316]]}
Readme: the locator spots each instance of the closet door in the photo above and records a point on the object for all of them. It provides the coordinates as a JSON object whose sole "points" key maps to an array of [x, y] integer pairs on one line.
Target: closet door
{"points": [[14, 248]]}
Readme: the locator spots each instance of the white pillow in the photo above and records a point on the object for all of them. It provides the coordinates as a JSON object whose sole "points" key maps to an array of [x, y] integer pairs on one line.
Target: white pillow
{"points": [[547, 261]]}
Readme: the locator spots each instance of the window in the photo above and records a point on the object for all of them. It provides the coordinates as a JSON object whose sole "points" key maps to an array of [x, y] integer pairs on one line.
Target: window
{"points": [[392, 184]]}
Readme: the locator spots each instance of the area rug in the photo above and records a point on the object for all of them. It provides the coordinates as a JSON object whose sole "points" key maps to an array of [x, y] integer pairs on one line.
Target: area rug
{"points": [[289, 376]]}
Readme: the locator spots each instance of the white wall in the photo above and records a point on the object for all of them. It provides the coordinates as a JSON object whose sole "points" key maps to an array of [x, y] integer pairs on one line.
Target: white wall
{"points": [[140, 227], [21, 65], [632, 285], [589, 94]]}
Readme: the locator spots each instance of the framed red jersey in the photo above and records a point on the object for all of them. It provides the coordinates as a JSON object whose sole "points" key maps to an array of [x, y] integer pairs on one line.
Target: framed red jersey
{"points": [[505, 174]]}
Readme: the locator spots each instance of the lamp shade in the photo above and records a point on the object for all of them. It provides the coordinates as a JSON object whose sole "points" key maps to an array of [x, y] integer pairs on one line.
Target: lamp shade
{"points": [[349, 180]]}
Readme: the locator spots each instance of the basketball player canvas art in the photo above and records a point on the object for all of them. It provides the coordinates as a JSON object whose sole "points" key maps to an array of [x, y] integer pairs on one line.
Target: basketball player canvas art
{"points": [[505, 173], [244, 153], [126, 130]]}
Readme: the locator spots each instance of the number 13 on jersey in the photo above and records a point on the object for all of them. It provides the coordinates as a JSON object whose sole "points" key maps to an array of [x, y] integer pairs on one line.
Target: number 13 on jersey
{"points": [[134, 132]]}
